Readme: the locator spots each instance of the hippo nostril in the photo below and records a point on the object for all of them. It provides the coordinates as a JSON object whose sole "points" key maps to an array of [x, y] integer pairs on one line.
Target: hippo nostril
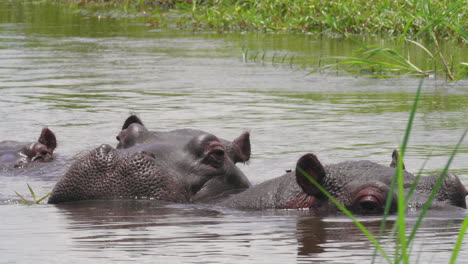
{"points": [[37, 158], [150, 154], [218, 153]]}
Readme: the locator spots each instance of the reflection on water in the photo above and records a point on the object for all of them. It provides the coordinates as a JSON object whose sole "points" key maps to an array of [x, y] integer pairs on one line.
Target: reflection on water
{"points": [[148, 231], [82, 77], [311, 236]]}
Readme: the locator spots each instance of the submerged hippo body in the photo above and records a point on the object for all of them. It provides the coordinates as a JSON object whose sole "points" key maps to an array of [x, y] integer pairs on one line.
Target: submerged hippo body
{"points": [[361, 186], [178, 166], [19, 154]]}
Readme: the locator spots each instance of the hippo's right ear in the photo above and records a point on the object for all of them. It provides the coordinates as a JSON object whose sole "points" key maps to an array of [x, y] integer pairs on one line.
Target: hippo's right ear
{"points": [[309, 165], [239, 151], [47, 138], [395, 157], [130, 120]]}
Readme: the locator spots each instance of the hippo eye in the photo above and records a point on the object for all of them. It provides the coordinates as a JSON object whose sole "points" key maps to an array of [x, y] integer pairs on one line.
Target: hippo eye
{"points": [[369, 201], [44, 153], [369, 204], [118, 138]]}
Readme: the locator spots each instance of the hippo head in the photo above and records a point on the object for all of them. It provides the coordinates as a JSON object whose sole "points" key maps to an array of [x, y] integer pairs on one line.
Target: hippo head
{"points": [[364, 187], [135, 133], [40, 151], [183, 165]]}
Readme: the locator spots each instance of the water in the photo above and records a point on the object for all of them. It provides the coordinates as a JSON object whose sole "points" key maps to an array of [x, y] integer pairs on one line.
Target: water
{"points": [[81, 77]]}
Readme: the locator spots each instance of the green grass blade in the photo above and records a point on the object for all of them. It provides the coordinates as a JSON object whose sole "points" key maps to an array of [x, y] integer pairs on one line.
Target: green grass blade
{"points": [[361, 227], [32, 193], [415, 182], [411, 120], [41, 199], [405, 30], [24, 199], [421, 46], [388, 204], [401, 224], [405, 61], [457, 247]]}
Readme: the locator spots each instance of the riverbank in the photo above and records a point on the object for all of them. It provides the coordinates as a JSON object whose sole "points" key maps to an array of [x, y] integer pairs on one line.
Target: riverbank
{"points": [[391, 18], [421, 24]]}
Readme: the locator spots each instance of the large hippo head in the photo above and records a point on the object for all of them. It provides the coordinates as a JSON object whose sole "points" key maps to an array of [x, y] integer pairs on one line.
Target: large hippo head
{"points": [[183, 165], [21, 153], [361, 186]]}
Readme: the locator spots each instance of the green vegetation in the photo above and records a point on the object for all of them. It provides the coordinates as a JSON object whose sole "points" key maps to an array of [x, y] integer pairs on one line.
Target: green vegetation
{"points": [[390, 62], [389, 17], [384, 60], [424, 25], [33, 195], [404, 241]]}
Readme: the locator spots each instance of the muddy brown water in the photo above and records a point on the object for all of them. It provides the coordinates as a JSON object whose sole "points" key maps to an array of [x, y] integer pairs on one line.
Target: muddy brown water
{"points": [[82, 76]]}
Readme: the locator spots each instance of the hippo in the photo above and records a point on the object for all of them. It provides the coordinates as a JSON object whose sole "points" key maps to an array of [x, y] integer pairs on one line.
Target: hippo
{"points": [[361, 186], [182, 166], [20, 154]]}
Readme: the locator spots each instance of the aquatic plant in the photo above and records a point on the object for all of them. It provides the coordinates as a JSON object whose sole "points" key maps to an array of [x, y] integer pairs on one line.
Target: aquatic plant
{"points": [[433, 26], [386, 62], [33, 195], [404, 241]]}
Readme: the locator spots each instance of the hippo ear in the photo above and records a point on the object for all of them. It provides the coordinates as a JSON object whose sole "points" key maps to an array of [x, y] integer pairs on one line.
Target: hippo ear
{"points": [[130, 120], [47, 138], [395, 157], [309, 165], [239, 151]]}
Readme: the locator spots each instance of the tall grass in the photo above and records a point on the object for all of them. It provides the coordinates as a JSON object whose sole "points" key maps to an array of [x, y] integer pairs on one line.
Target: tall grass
{"points": [[404, 241], [345, 16], [390, 17]]}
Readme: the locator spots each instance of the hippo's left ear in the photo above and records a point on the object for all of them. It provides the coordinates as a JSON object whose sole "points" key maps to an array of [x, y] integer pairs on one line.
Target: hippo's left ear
{"points": [[395, 157], [47, 138], [239, 150], [130, 120], [309, 165]]}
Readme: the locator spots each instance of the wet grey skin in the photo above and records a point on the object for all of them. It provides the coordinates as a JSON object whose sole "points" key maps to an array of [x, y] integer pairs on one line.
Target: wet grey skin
{"points": [[361, 186], [181, 166], [20, 154]]}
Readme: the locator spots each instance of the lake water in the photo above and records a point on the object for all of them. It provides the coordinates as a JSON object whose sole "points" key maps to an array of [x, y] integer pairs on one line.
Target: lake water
{"points": [[82, 77]]}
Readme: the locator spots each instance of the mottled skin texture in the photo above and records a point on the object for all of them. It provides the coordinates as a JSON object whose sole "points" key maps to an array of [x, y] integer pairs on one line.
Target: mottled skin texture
{"points": [[361, 186], [19, 154], [183, 165]]}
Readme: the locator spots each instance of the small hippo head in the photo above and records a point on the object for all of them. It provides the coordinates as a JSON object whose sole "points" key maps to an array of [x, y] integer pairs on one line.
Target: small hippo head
{"points": [[182, 165], [40, 151], [364, 187]]}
